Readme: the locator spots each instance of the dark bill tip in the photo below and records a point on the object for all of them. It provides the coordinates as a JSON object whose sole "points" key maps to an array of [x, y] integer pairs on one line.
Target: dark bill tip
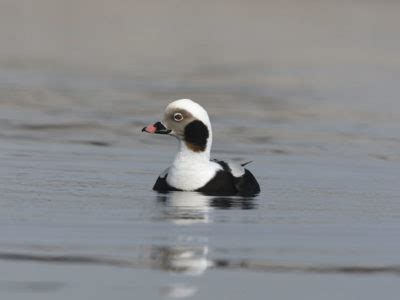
{"points": [[158, 128]]}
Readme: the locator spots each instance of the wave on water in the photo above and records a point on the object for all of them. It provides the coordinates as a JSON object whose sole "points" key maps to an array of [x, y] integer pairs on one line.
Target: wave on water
{"points": [[157, 262]]}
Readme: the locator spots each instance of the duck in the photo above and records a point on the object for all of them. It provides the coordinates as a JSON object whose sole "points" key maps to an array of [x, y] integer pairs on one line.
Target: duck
{"points": [[192, 168]]}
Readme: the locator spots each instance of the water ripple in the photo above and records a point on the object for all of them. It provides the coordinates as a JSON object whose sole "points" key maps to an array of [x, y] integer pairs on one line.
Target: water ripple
{"points": [[158, 262]]}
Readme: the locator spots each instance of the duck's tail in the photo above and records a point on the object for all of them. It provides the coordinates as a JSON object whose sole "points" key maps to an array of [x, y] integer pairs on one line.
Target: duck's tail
{"points": [[246, 163]]}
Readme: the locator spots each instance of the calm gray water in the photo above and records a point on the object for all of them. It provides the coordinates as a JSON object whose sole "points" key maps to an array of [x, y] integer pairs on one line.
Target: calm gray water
{"points": [[308, 91]]}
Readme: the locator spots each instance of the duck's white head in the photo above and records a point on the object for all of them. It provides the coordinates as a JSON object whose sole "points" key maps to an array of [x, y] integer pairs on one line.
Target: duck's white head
{"points": [[189, 122]]}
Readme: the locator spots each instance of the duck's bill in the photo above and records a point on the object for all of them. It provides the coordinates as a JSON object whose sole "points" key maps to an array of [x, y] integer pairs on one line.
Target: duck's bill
{"points": [[158, 128]]}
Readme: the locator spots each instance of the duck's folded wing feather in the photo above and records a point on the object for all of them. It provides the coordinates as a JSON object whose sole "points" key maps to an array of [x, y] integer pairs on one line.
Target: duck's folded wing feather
{"points": [[244, 181], [247, 184]]}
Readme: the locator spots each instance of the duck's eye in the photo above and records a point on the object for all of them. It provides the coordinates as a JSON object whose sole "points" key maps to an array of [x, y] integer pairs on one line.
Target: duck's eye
{"points": [[178, 117]]}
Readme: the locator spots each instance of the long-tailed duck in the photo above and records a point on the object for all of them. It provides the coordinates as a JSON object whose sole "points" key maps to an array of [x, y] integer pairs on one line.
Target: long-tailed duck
{"points": [[192, 169]]}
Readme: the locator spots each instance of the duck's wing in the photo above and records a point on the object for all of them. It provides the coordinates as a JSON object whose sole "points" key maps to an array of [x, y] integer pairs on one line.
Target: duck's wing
{"points": [[243, 180], [222, 184]]}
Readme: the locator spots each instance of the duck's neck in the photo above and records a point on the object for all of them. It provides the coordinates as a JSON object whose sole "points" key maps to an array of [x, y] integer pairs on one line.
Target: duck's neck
{"points": [[187, 156], [191, 170]]}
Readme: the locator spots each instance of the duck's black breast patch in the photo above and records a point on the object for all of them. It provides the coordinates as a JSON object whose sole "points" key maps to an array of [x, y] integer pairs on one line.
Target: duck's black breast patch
{"points": [[162, 185], [196, 136]]}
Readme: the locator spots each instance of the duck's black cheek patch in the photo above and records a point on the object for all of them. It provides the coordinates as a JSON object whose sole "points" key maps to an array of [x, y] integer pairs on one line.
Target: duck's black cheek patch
{"points": [[196, 135]]}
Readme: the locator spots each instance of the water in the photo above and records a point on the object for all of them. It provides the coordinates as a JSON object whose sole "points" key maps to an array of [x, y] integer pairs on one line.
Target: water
{"points": [[308, 93]]}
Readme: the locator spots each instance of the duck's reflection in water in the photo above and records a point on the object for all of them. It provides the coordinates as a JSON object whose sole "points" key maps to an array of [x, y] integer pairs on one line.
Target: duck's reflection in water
{"points": [[232, 202], [178, 291], [189, 256], [187, 260], [187, 208]]}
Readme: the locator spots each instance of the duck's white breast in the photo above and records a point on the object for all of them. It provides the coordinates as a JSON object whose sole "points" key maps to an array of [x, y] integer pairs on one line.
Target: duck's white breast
{"points": [[191, 175]]}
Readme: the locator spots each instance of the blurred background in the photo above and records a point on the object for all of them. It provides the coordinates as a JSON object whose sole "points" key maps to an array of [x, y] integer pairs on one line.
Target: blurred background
{"points": [[285, 76], [307, 90]]}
